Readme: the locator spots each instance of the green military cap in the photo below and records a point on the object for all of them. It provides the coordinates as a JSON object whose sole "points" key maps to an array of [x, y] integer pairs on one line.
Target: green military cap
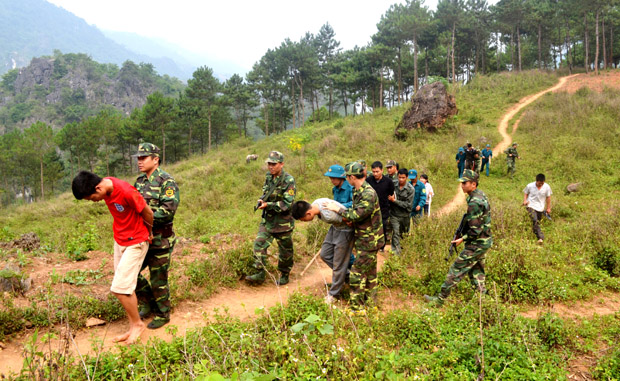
{"points": [[275, 157], [147, 149], [354, 168], [390, 163], [514, 144], [469, 175], [361, 162]]}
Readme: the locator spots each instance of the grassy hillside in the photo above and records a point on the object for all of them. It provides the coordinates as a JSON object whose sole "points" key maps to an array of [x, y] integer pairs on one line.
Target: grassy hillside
{"points": [[570, 138]]}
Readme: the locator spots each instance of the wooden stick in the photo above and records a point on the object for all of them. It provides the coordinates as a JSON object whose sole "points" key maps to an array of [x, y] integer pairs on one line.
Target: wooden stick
{"points": [[311, 261]]}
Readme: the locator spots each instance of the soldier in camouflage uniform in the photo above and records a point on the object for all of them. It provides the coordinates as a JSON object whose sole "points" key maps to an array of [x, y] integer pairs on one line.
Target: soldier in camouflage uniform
{"points": [[511, 156], [161, 194], [365, 214], [477, 238], [392, 170], [277, 221]]}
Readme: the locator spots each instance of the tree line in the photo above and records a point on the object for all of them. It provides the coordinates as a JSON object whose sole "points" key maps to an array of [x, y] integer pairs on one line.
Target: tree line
{"points": [[314, 79]]}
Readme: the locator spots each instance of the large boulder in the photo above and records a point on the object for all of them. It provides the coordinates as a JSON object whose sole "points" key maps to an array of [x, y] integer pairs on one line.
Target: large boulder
{"points": [[430, 108]]}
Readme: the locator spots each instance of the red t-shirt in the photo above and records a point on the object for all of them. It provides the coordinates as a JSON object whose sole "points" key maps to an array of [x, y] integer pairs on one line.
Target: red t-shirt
{"points": [[126, 204]]}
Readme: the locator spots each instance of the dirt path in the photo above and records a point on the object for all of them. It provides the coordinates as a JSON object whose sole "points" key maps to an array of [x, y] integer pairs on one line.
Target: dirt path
{"points": [[502, 128], [240, 302]]}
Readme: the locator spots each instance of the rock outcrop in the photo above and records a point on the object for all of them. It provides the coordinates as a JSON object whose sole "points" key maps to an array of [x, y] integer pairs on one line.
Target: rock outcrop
{"points": [[430, 108]]}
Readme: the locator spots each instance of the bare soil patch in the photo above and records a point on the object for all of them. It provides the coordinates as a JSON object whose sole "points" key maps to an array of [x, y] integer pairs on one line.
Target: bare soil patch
{"points": [[603, 304], [609, 79]]}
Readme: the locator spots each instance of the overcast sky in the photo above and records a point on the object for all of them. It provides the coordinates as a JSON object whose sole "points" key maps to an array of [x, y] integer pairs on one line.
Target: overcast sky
{"points": [[238, 31]]}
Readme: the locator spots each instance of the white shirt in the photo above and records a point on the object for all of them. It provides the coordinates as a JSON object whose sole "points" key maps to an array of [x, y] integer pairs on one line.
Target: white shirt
{"points": [[537, 197], [329, 216], [429, 193]]}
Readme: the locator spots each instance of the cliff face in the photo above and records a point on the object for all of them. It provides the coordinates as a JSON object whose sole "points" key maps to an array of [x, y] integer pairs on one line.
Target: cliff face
{"points": [[67, 88]]}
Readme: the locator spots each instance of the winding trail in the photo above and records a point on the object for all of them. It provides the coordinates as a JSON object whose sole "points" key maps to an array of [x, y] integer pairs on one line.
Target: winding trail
{"points": [[240, 302], [502, 128]]}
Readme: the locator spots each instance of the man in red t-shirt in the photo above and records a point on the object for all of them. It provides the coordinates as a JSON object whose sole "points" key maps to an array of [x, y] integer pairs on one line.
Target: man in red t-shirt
{"points": [[133, 223]]}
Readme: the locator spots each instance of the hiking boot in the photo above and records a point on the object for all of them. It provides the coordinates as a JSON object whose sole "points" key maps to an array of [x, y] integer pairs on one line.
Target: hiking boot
{"points": [[145, 310], [257, 278], [283, 280], [158, 322], [433, 301]]}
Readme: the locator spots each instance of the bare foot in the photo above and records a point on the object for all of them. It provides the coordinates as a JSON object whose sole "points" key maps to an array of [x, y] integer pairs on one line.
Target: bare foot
{"points": [[122, 337], [134, 333]]}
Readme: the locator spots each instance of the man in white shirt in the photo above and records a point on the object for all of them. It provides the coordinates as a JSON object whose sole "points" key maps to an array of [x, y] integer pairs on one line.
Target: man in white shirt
{"points": [[336, 248], [537, 199]]}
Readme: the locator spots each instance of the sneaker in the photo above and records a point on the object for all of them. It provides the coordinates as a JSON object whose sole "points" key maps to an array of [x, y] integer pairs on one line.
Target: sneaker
{"points": [[283, 280], [540, 241], [433, 301], [158, 322], [256, 279], [329, 299], [144, 310]]}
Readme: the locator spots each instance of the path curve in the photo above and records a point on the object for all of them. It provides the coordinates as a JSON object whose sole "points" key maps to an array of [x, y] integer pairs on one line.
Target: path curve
{"points": [[502, 128]]}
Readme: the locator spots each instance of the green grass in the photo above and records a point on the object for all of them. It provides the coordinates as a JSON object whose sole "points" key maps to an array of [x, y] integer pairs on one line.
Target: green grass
{"points": [[570, 138]]}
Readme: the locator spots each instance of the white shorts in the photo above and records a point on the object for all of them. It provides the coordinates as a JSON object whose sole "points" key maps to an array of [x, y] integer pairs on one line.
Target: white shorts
{"points": [[127, 263]]}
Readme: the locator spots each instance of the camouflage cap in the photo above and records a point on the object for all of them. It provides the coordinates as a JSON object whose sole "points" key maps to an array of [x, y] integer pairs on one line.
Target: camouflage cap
{"points": [[390, 163], [354, 168], [147, 149], [469, 175], [514, 144], [362, 162], [275, 157]]}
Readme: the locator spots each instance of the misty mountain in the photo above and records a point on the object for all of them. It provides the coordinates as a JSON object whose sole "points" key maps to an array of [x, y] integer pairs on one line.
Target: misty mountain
{"points": [[34, 28]]}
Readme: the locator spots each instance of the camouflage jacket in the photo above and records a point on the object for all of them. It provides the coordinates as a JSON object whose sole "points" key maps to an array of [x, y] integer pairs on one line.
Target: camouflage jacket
{"points": [[478, 219], [161, 194], [511, 151], [404, 199], [366, 217], [394, 179], [277, 216]]}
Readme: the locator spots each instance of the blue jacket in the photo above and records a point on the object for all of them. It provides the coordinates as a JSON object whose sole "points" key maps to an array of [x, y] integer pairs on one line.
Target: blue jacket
{"points": [[461, 158], [419, 198], [344, 194]]}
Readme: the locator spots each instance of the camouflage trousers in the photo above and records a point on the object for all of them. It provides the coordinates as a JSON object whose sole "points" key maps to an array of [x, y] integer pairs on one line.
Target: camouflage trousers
{"points": [[155, 291], [285, 245], [469, 262], [511, 167], [536, 217], [363, 278], [399, 224]]}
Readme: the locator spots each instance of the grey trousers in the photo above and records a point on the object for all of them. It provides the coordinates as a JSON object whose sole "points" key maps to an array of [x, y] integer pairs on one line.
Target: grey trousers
{"points": [[399, 224], [336, 252], [536, 217]]}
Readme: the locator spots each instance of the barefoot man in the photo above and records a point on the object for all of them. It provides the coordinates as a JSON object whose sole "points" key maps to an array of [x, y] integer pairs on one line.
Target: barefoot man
{"points": [[133, 223]]}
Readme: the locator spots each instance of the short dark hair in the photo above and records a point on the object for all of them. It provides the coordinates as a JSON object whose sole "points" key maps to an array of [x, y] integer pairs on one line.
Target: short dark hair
{"points": [[424, 176], [403, 171], [360, 176], [299, 209], [84, 184], [469, 145], [540, 177], [376, 164]]}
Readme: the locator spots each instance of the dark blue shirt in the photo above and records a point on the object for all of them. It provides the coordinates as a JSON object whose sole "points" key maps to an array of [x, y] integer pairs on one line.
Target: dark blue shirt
{"points": [[487, 153], [419, 198], [344, 194], [460, 157]]}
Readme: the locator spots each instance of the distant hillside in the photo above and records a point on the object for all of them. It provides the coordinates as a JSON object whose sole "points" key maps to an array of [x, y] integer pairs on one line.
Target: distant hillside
{"points": [[33, 28], [68, 87], [186, 60]]}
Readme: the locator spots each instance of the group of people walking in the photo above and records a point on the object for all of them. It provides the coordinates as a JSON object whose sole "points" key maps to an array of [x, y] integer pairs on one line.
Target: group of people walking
{"points": [[469, 157], [365, 212]]}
